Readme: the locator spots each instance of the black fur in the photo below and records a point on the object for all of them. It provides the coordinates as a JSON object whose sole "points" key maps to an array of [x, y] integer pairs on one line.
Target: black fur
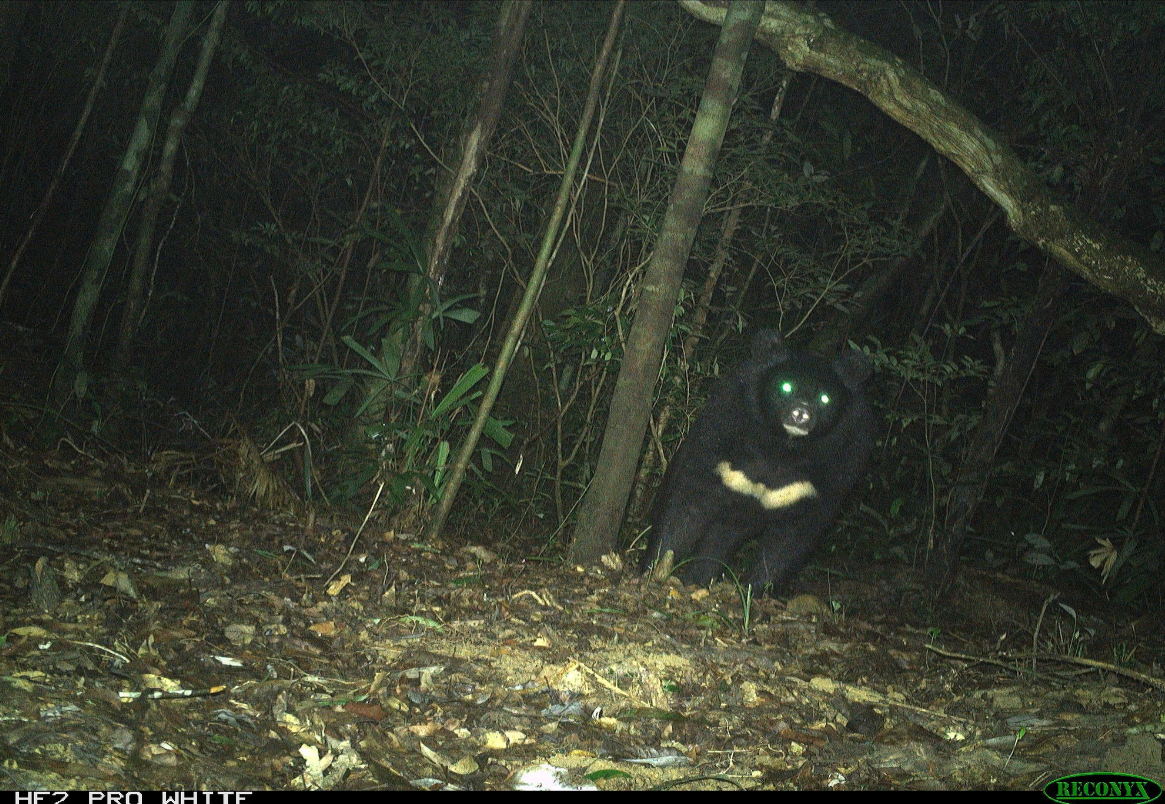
{"points": [[767, 459]]}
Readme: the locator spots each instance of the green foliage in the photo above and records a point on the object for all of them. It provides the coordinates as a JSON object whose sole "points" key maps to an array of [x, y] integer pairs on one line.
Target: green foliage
{"points": [[584, 335], [415, 442], [1062, 483], [420, 297]]}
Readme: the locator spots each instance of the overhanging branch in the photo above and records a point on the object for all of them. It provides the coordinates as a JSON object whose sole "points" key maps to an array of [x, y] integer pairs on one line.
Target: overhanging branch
{"points": [[809, 41]]}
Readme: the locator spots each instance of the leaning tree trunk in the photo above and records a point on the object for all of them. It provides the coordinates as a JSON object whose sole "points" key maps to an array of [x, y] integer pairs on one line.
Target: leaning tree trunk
{"points": [[601, 510], [975, 469], [117, 206], [160, 185], [86, 111], [533, 285], [700, 315], [453, 186]]}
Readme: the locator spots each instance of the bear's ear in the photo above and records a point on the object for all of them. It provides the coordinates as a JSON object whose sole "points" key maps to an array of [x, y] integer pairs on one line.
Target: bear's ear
{"points": [[853, 367], [768, 345]]}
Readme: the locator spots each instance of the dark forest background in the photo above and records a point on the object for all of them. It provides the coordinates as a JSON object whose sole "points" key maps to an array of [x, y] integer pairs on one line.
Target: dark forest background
{"points": [[285, 280]]}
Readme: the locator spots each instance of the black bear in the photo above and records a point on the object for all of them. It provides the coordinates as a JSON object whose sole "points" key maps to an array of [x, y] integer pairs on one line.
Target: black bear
{"points": [[778, 446]]}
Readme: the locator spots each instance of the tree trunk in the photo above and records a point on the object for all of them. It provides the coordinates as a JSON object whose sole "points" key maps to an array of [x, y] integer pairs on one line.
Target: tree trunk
{"points": [[87, 109], [988, 435], [160, 186], [601, 510], [453, 186], [533, 286], [975, 469], [117, 206]]}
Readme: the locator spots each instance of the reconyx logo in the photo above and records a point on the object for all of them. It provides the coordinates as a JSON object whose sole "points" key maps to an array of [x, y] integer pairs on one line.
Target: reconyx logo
{"points": [[1102, 787]]}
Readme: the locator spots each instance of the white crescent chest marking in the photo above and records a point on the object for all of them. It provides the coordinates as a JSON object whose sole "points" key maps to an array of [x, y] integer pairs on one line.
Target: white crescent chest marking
{"points": [[770, 499]]}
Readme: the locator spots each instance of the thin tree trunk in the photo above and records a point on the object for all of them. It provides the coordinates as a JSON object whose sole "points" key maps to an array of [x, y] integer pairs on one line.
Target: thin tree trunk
{"points": [[988, 435], [533, 286], [117, 207], [700, 315], [728, 233], [602, 506], [975, 470], [160, 186], [453, 187], [326, 337], [86, 110]]}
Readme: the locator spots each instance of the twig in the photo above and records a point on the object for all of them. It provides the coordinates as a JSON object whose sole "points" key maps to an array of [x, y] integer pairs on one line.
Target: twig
{"points": [[356, 538]]}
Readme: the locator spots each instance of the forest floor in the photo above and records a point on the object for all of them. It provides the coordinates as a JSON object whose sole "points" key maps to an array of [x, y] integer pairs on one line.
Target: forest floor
{"points": [[158, 634]]}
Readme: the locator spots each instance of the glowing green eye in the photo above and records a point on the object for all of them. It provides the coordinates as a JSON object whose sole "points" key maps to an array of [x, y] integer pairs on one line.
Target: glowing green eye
{"points": [[825, 399], [786, 388]]}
